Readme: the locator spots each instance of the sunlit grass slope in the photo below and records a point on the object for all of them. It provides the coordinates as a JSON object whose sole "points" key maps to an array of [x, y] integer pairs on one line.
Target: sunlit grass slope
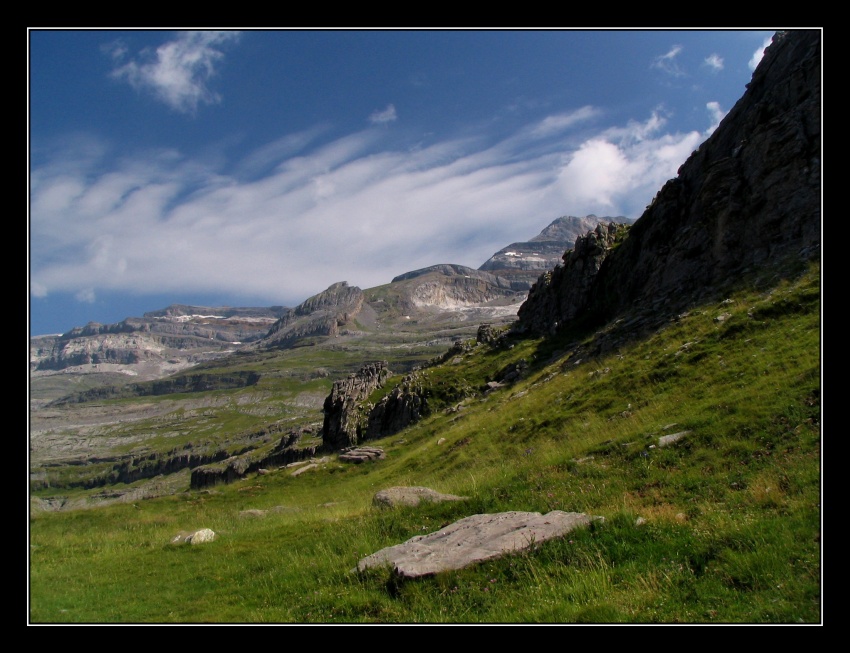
{"points": [[723, 526]]}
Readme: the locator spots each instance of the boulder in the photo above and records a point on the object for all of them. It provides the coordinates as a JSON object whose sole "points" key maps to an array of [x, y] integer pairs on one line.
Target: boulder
{"points": [[410, 496], [196, 537], [474, 539], [361, 454]]}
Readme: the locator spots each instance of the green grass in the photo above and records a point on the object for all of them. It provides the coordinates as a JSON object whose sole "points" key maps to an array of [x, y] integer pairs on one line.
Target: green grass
{"points": [[721, 527]]}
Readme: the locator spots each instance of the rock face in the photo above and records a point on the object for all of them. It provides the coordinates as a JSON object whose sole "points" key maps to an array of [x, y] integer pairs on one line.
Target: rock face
{"points": [[227, 469], [450, 286], [564, 292], [349, 420], [522, 262], [342, 426], [747, 200], [320, 315], [404, 405], [474, 539], [171, 338]]}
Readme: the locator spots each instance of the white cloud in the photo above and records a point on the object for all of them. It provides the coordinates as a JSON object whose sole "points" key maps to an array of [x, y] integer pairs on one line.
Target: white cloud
{"points": [[618, 170], [86, 295], [716, 114], [667, 62], [115, 49], [37, 290], [715, 62], [562, 121], [759, 53], [159, 222], [179, 71], [380, 117]]}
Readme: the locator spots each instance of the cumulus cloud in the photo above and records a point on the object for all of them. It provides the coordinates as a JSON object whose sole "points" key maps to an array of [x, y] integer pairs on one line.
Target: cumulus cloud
{"points": [[715, 62], [759, 53], [349, 209], [716, 114], [616, 170], [667, 62], [179, 71], [380, 117]]}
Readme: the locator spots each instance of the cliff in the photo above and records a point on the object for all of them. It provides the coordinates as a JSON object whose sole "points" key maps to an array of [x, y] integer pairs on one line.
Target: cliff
{"points": [[745, 206]]}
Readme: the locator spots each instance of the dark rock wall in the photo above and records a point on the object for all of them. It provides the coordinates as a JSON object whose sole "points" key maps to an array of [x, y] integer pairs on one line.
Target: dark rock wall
{"points": [[406, 404], [562, 294], [342, 418]]}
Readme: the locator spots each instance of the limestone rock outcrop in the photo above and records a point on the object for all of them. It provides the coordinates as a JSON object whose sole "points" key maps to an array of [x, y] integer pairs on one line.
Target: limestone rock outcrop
{"points": [[523, 262], [342, 426], [406, 404], [411, 496], [227, 469], [320, 315], [361, 454]]}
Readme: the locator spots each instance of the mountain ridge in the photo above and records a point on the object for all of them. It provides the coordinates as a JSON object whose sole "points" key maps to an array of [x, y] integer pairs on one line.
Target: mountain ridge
{"points": [[179, 336]]}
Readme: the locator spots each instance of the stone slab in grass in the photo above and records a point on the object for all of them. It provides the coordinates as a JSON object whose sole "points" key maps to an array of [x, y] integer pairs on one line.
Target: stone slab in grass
{"points": [[474, 539], [410, 496]]}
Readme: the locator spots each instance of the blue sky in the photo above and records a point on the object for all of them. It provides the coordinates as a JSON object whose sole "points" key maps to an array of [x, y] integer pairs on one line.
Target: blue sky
{"points": [[256, 168]]}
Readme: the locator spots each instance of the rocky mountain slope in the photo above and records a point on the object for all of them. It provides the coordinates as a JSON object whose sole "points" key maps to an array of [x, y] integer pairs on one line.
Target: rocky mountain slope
{"points": [[523, 262], [157, 344], [745, 207], [441, 303]]}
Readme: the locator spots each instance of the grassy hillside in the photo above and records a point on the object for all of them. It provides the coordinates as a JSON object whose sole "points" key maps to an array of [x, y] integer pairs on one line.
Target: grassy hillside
{"points": [[723, 526]]}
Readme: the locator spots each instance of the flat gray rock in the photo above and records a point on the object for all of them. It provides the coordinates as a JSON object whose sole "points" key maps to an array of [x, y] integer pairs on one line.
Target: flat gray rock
{"points": [[665, 440], [410, 496], [361, 454], [474, 539]]}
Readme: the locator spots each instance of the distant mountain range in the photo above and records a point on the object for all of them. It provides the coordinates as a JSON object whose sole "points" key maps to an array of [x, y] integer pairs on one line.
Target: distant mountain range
{"points": [[440, 303]]}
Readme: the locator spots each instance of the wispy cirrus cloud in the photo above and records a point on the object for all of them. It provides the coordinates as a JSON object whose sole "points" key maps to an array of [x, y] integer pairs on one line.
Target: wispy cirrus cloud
{"points": [[177, 72], [381, 117], [354, 208], [562, 121], [667, 62]]}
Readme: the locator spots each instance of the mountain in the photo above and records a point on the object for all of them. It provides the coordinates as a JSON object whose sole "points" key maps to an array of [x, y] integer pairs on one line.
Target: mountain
{"points": [[157, 344], [664, 375], [523, 262], [428, 301]]}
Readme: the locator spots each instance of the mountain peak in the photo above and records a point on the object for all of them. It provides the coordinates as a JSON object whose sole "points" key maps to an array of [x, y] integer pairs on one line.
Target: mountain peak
{"points": [[522, 262]]}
